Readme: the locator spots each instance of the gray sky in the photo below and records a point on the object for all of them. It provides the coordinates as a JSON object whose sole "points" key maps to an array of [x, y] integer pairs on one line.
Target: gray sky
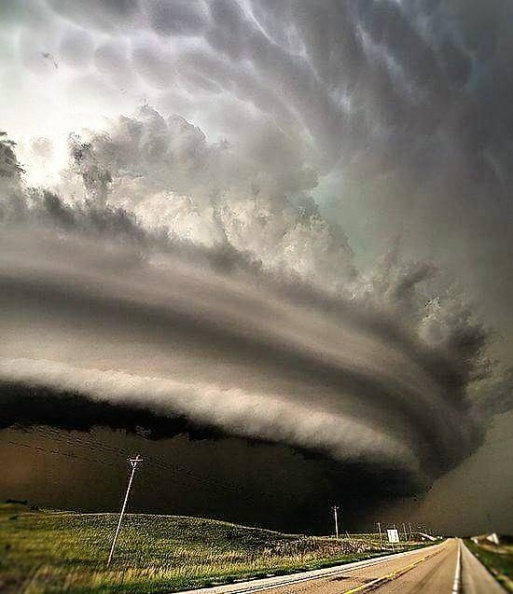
{"points": [[284, 221]]}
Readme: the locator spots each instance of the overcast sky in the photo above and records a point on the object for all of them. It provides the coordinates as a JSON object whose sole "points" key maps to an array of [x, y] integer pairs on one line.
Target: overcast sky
{"points": [[283, 227]]}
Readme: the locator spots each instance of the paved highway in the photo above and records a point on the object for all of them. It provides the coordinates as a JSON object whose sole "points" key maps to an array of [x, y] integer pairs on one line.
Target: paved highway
{"points": [[429, 570], [447, 568]]}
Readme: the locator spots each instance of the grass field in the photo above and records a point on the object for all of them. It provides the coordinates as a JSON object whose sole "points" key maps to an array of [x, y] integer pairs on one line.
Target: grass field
{"points": [[45, 551]]}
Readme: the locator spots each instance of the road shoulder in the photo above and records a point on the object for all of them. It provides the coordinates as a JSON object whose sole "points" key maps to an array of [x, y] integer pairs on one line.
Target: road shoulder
{"points": [[475, 578]]}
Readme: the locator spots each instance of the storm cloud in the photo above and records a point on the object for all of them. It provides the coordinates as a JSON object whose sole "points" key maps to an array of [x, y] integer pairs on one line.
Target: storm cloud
{"points": [[261, 219], [236, 350]]}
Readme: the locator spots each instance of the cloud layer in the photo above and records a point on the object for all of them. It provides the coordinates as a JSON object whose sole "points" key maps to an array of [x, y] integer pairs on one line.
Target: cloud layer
{"points": [[200, 257], [137, 321], [402, 108]]}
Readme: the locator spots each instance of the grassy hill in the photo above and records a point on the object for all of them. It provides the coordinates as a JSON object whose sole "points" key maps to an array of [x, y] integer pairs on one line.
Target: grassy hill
{"points": [[48, 551]]}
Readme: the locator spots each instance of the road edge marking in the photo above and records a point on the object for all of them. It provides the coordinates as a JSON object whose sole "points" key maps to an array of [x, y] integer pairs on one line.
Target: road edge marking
{"points": [[457, 574]]}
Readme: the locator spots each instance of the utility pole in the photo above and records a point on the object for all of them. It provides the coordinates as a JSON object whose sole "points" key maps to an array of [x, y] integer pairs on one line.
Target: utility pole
{"points": [[335, 517], [134, 462], [380, 536]]}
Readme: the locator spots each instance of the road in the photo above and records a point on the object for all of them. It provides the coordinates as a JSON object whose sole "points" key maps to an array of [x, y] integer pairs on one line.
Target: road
{"points": [[437, 569]]}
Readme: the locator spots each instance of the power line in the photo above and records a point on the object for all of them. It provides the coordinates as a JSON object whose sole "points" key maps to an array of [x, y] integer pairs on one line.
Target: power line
{"points": [[158, 465]]}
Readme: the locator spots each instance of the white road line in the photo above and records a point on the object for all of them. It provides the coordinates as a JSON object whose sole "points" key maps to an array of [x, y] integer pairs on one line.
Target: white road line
{"points": [[457, 574]]}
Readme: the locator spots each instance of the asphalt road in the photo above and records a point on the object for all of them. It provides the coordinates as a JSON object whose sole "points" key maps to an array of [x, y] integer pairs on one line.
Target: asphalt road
{"points": [[439, 569], [429, 571]]}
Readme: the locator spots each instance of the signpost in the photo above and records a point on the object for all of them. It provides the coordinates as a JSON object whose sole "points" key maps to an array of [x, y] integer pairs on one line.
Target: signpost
{"points": [[393, 536]]}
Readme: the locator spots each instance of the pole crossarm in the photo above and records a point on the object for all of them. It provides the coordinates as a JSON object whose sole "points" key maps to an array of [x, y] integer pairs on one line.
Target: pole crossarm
{"points": [[134, 462]]}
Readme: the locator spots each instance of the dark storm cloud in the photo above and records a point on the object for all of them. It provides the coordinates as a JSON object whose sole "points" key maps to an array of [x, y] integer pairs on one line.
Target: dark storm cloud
{"points": [[264, 344], [26, 406], [228, 352], [406, 105], [253, 484]]}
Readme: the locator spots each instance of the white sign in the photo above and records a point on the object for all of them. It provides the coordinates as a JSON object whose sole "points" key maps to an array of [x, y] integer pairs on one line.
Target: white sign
{"points": [[393, 535]]}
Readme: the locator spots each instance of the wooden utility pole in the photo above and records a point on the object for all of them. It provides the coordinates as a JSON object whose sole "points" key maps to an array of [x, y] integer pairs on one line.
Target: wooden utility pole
{"points": [[134, 462], [404, 532], [335, 518]]}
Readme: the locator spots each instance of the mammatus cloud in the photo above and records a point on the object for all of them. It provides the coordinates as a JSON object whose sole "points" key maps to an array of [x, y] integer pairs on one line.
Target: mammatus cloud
{"points": [[402, 107]]}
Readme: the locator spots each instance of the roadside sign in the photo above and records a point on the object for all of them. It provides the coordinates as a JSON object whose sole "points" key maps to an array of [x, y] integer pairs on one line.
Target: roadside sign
{"points": [[393, 535]]}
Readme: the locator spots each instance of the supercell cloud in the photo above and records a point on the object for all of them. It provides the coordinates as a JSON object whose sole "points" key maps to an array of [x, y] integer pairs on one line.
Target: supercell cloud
{"points": [[259, 219]]}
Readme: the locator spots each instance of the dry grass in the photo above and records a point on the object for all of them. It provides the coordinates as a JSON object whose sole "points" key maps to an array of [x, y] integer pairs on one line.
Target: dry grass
{"points": [[66, 552]]}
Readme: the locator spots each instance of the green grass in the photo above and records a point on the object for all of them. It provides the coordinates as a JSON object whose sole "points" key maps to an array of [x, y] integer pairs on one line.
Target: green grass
{"points": [[498, 560], [45, 551]]}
